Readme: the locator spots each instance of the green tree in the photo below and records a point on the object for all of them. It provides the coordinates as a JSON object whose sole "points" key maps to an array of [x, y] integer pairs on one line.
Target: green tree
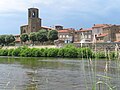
{"points": [[33, 37], [42, 36], [24, 37], [53, 35], [2, 40], [9, 39]]}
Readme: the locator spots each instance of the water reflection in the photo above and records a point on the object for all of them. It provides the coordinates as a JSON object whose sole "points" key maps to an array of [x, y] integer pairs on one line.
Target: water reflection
{"points": [[57, 74]]}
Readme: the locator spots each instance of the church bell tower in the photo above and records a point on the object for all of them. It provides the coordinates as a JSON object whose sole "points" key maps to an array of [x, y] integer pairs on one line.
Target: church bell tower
{"points": [[34, 22]]}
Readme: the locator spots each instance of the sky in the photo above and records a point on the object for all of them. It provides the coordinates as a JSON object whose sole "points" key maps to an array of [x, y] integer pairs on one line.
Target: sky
{"points": [[69, 13]]}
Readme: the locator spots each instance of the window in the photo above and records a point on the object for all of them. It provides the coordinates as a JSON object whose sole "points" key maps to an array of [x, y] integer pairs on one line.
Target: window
{"points": [[89, 36], [60, 36], [63, 36], [101, 38], [85, 36], [67, 36], [98, 31], [24, 31], [33, 14]]}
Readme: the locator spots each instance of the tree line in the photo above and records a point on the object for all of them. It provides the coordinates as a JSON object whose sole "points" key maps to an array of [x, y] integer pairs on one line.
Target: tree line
{"points": [[41, 36]]}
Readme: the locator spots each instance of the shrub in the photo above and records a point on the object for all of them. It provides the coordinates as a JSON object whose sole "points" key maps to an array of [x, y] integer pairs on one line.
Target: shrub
{"points": [[25, 52], [113, 55], [44, 52], [100, 55], [79, 51], [38, 53], [70, 52], [16, 52], [61, 52], [52, 52], [33, 50], [89, 53], [85, 53], [3, 52], [10, 52]]}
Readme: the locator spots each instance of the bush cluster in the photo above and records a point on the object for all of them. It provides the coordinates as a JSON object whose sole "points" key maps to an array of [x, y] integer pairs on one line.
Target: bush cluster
{"points": [[67, 52]]}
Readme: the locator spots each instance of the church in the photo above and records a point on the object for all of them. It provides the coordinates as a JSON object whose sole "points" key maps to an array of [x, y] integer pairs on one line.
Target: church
{"points": [[34, 22]]}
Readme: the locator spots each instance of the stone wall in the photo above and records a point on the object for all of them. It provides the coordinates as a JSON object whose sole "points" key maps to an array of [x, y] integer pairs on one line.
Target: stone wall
{"points": [[99, 46]]}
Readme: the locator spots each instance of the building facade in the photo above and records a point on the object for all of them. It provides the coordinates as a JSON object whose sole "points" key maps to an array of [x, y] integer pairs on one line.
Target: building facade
{"points": [[111, 31], [34, 22], [66, 35], [83, 34]]}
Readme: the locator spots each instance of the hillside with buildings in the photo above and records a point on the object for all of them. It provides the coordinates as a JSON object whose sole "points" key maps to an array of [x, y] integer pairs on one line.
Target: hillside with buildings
{"points": [[98, 33]]}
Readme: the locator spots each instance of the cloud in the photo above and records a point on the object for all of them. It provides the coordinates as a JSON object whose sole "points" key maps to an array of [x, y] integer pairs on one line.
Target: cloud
{"points": [[83, 6], [71, 13]]}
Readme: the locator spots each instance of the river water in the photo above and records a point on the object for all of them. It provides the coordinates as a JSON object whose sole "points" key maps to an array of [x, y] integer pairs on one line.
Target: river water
{"points": [[58, 74]]}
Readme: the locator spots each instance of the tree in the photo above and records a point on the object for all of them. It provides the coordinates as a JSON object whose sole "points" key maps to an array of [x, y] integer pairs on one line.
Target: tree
{"points": [[33, 37], [53, 35], [2, 40], [24, 37], [9, 39], [42, 36]]}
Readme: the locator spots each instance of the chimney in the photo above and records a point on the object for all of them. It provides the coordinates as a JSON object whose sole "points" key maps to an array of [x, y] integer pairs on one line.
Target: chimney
{"points": [[81, 28]]}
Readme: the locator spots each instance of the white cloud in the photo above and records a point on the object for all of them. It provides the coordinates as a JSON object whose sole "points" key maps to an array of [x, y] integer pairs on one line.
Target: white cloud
{"points": [[20, 5], [97, 7], [68, 12], [93, 6]]}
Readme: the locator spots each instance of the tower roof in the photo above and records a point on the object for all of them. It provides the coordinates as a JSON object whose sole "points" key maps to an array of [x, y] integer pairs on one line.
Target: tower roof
{"points": [[32, 8]]}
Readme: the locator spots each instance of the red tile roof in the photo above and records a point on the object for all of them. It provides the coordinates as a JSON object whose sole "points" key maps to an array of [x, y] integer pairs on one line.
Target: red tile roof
{"points": [[101, 25], [64, 31], [68, 30], [102, 35], [85, 30]]}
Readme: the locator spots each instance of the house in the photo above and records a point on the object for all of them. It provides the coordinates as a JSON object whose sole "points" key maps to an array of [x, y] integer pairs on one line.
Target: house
{"points": [[98, 28], [67, 35], [17, 40], [102, 38], [85, 34], [111, 31]]}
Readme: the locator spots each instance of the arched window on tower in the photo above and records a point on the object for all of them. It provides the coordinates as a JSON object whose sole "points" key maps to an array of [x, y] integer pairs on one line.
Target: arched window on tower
{"points": [[24, 31], [33, 14]]}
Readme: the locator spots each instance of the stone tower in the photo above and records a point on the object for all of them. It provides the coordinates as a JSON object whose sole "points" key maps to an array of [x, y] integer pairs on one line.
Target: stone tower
{"points": [[34, 22]]}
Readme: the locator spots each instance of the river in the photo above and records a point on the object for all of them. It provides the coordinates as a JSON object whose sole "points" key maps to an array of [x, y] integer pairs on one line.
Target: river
{"points": [[58, 74]]}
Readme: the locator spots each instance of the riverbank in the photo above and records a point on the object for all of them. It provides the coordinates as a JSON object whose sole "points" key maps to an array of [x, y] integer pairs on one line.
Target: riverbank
{"points": [[42, 46], [65, 52]]}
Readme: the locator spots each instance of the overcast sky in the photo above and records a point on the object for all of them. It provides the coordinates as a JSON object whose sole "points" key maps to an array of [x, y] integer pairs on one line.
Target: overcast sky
{"points": [[69, 13]]}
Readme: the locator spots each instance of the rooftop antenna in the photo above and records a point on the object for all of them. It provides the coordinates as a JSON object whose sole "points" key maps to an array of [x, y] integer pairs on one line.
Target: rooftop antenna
{"points": [[33, 3]]}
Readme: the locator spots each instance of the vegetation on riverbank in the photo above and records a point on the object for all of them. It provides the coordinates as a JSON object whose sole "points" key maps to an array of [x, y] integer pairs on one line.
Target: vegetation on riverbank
{"points": [[68, 51]]}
